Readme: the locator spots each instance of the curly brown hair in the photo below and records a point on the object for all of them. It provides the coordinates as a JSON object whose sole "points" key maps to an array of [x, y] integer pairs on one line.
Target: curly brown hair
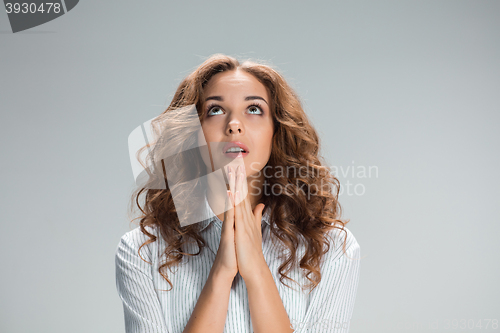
{"points": [[305, 211]]}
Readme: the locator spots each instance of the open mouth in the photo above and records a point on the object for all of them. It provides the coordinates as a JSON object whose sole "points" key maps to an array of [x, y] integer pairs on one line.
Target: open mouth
{"points": [[235, 149], [234, 153]]}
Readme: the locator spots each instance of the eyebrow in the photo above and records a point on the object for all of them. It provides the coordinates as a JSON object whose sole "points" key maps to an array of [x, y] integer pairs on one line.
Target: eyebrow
{"points": [[248, 98]]}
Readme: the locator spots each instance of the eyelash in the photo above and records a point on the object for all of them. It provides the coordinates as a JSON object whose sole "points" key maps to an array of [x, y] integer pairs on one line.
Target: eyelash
{"points": [[211, 106]]}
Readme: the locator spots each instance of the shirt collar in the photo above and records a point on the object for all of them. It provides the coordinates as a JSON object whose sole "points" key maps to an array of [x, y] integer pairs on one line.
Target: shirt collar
{"points": [[266, 215]]}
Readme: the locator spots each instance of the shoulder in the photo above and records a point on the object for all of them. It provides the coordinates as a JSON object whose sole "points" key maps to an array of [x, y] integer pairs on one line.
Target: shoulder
{"points": [[341, 239], [132, 240]]}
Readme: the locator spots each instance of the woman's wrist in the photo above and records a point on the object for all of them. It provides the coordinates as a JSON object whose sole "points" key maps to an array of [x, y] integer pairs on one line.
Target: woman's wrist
{"points": [[255, 278], [220, 275]]}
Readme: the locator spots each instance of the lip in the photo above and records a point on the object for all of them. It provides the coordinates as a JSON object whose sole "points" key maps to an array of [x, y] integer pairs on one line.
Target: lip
{"points": [[235, 144]]}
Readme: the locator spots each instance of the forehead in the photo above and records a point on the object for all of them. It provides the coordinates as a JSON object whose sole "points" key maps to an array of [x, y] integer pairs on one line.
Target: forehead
{"points": [[235, 82]]}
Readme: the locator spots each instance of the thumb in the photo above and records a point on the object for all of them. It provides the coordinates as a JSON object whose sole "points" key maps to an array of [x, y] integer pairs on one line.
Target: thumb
{"points": [[258, 210]]}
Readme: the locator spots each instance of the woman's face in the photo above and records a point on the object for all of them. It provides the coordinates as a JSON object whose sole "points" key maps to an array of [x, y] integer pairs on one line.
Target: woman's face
{"points": [[236, 108]]}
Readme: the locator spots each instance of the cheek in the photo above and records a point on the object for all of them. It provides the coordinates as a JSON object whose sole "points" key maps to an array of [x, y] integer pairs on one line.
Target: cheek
{"points": [[269, 134], [207, 132], [201, 137], [265, 142], [203, 148]]}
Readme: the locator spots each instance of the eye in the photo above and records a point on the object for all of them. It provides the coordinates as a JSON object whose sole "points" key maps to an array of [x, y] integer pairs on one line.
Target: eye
{"points": [[256, 107], [212, 107]]}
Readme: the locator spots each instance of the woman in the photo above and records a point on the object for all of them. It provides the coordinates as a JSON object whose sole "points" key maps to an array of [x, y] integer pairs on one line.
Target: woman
{"points": [[278, 220]]}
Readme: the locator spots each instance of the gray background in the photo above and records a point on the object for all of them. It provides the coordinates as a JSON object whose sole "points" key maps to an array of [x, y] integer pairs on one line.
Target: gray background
{"points": [[409, 87]]}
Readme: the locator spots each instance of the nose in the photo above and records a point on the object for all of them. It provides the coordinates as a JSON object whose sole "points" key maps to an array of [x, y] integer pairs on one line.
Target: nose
{"points": [[233, 127]]}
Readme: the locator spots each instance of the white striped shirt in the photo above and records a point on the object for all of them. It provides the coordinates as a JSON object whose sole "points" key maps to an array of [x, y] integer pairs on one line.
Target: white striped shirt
{"points": [[149, 308]]}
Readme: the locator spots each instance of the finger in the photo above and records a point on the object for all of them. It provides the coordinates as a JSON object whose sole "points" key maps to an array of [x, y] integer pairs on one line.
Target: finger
{"points": [[226, 209], [231, 210], [244, 191], [242, 212], [237, 213], [229, 214], [238, 185], [258, 211], [232, 181], [244, 206], [237, 204]]}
